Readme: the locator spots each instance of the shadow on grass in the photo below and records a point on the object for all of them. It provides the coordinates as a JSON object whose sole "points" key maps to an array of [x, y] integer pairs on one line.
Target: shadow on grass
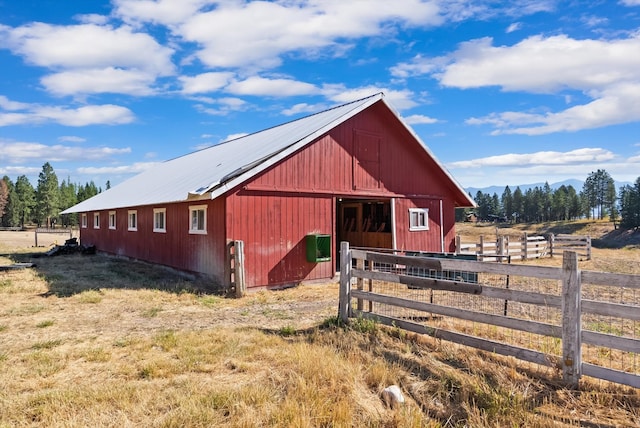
{"points": [[619, 238], [568, 228], [67, 275]]}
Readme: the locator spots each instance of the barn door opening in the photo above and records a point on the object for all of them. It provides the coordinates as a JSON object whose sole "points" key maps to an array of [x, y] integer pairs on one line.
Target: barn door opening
{"points": [[364, 223]]}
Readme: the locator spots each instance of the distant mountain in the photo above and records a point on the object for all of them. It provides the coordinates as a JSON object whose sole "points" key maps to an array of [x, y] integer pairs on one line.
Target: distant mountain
{"points": [[577, 184]]}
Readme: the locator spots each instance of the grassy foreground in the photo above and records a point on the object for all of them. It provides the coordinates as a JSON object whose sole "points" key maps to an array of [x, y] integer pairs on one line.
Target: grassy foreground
{"points": [[99, 341]]}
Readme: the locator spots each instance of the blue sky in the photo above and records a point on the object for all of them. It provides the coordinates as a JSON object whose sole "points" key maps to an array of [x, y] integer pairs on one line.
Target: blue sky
{"points": [[503, 93]]}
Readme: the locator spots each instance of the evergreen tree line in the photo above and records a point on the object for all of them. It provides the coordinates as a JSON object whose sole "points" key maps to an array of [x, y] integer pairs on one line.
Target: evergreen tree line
{"points": [[21, 203], [596, 199]]}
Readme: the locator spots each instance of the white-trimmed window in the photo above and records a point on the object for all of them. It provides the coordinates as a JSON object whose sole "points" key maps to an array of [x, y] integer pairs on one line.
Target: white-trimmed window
{"points": [[83, 220], [159, 219], [96, 220], [132, 220], [112, 219], [198, 219], [418, 219]]}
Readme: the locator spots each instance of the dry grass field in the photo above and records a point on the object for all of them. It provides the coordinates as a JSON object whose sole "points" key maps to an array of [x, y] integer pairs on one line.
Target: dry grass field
{"points": [[101, 341]]}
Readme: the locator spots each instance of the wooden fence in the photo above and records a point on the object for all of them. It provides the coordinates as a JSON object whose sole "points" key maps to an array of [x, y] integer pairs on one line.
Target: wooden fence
{"points": [[68, 231], [525, 246], [562, 318]]}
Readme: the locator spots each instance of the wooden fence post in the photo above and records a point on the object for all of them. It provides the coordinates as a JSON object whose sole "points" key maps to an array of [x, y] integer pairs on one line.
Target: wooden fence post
{"points": [[500, 248], [588, 247], [552, 242], [359, 282], [571, 324], [481, 252], [241, 287], [458, 244], [344, 309], [525, 245], [506, 245]]}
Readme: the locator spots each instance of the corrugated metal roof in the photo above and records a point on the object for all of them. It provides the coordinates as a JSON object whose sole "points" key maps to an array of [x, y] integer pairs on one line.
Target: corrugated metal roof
{"points": [[219, 168]]}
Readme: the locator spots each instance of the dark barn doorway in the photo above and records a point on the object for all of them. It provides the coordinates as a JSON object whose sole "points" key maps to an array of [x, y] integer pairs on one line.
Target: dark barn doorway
{"points": [[364, 223]]}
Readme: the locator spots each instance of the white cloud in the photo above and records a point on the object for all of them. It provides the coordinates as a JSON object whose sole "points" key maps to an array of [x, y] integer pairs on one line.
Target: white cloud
{"points": [[232, 102], [95, 81], [71, 139], [225, 106], [88, 46], [16, 171], [514, 27], [276, 87], [615, 105], [236, 34], [527, 168], [418, 119], [536, 64], [7, 104], [92, 18], [578, 156], [90, 58], [18, 152], [400, 99], [418, 66], [304, 108], [631, 2], [205, 82], [603, 70], [460, 10], [33, 114], [594, 21], [164, 12]]}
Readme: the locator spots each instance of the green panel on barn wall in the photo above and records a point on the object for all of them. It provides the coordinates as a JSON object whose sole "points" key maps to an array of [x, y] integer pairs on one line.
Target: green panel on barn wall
{"points": [[318, 248]]}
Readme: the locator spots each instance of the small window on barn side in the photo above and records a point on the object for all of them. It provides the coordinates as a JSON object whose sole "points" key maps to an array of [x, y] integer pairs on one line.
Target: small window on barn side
{"points": [[418, 219], [198, 219], [159, 219], [133, 220], [96, 220], [112, 219], [84, 220]]}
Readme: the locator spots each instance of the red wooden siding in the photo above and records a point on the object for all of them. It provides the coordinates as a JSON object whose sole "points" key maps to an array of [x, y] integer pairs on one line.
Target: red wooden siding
{"points": [[176, 247], [425, 240], [331, 164], [273, 227]]}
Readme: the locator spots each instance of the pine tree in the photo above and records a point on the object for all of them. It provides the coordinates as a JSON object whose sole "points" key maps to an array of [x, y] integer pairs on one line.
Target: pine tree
{"points": [[47, 195], [4, 195], [630, 206], [24, 202], [600, 192], [68, 198]]}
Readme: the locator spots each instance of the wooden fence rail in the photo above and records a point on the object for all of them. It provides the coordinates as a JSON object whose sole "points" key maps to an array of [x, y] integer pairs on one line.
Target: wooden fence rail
{"points": [[41, 230], [525, 247], [394, 296]]}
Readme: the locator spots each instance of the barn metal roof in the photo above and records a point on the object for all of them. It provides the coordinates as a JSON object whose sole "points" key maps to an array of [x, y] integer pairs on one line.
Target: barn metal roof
{"points": [[216, 169]]}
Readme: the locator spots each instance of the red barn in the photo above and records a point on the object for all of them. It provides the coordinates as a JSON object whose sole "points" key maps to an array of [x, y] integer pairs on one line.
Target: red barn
{"points": [[291, 193]]}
